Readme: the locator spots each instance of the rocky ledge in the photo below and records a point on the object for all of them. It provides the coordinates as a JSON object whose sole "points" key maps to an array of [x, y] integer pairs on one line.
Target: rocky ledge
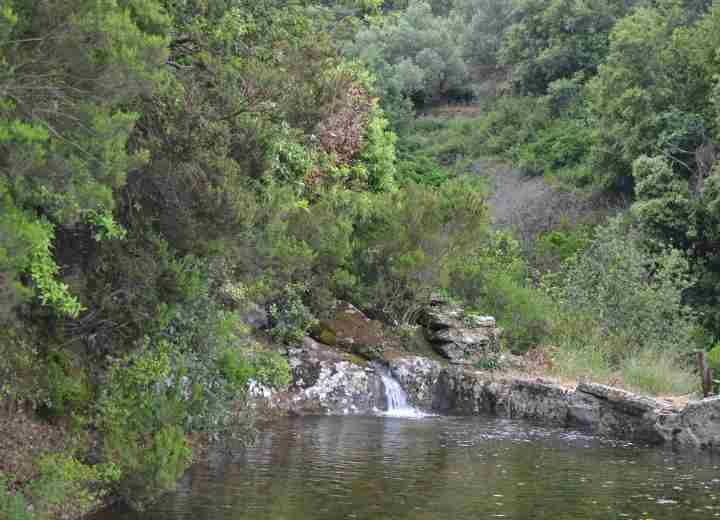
{"points": [[602, 409], [341, 371]]}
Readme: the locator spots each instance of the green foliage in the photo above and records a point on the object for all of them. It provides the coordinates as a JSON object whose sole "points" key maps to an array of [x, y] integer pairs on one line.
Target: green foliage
{"points": [[67, 385], [494, 281], [271, 369], [21, 368], [555, 39], [63, 478], [484, 23], [555, 247], [13, 505], [147, 397], [191, 371], [634, 297], [378, 154], [636, 97], [564, 144], [291, 318], [25, 246], [713, 359], [414, 53], [410, 239]]}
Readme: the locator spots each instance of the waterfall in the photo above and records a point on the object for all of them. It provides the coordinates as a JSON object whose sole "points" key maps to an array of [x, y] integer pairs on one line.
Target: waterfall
{"points": [[397, 399]]}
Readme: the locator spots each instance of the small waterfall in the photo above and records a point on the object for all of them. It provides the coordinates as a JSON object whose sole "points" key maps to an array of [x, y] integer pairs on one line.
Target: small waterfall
{"points": [[397, 399]]}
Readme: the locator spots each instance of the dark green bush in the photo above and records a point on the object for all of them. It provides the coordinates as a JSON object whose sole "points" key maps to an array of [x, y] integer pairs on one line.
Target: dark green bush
{"points": [[564, 144], [291, 319], [67, 384]]}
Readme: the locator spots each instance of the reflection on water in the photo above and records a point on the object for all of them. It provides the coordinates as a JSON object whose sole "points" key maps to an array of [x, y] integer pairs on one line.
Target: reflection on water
{"points": [[328, 468]]}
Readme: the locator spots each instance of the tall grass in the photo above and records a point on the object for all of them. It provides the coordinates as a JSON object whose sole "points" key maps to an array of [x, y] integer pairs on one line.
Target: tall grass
{"points": [[581, 350]]}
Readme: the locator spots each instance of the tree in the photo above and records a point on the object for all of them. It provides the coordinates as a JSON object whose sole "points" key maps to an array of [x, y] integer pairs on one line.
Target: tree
{"points": [[414, 53], [556, 39]]}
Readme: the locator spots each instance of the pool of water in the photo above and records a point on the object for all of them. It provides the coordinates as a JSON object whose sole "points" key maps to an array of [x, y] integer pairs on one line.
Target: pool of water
{"points": [[440, 468]]}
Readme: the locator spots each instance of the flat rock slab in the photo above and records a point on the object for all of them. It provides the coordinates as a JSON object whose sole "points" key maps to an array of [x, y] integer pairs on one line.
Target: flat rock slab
{"points": [[631, 403]]}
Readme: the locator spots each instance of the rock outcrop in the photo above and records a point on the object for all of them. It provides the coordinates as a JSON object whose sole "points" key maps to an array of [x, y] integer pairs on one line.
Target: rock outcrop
{"points": [[460, 337], [350, 330], [337, 378], [601, 409], [327, 382]]}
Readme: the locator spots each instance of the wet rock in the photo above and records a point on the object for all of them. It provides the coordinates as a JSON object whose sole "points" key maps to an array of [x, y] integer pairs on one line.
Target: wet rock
{"points": [[326, 382], [418, 376], [698, 424], [538, 400], [628, 402]]}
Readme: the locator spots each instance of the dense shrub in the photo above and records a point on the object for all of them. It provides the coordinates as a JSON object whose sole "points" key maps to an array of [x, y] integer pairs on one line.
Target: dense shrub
{"points": [[414, 53], [494, 280], [620, 306]]}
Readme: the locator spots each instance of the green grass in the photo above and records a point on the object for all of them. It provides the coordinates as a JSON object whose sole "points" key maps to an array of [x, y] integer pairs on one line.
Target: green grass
{"points": [[433, 149], [582, 352]]}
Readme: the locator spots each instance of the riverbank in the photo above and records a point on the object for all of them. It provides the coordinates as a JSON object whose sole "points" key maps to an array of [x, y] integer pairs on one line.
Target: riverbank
{"points": [[331, 382]]}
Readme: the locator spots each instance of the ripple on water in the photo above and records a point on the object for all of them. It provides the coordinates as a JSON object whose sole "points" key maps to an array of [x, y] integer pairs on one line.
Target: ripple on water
{"points": [[329, 468]]}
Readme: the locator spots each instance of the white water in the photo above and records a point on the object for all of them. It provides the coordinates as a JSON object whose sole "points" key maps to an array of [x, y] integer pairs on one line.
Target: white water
{"points": [[397, 399]]}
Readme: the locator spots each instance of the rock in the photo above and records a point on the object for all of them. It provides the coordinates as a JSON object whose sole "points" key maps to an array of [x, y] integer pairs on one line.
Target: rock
{"points": [[352, 331], [698, 424], [538, 400], [460, 337], [628, 402], [254, 316], [326, 382], [418, 376], [442, 316]]}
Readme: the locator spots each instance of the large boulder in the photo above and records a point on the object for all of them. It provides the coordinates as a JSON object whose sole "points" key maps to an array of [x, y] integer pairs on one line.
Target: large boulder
{"points": [[326, 381], [350, 330], [460, 337], [418, 376], [698, 424]]}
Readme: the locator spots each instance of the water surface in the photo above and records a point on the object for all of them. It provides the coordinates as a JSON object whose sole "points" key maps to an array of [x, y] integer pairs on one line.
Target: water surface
{"points": [[328, 468]]}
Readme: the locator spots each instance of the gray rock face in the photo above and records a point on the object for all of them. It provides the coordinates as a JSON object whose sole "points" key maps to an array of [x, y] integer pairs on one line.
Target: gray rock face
{"points": [[601, 409], [325, 382], [698, 424], [461, 338], [418, 376]]}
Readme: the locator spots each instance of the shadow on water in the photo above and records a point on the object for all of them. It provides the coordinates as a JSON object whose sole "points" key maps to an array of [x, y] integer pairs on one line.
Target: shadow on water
{"points": [[327, 468]]}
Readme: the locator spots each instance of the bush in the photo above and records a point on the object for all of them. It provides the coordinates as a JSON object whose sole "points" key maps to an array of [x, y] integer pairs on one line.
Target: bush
{"points": [[290, 318], [564, 144], [633, 293], [13, 505], [415, 54], [66, 484], [188, 377], [67, 385], [511, 122], [494, 281], [621, 316], [406, 241]]}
